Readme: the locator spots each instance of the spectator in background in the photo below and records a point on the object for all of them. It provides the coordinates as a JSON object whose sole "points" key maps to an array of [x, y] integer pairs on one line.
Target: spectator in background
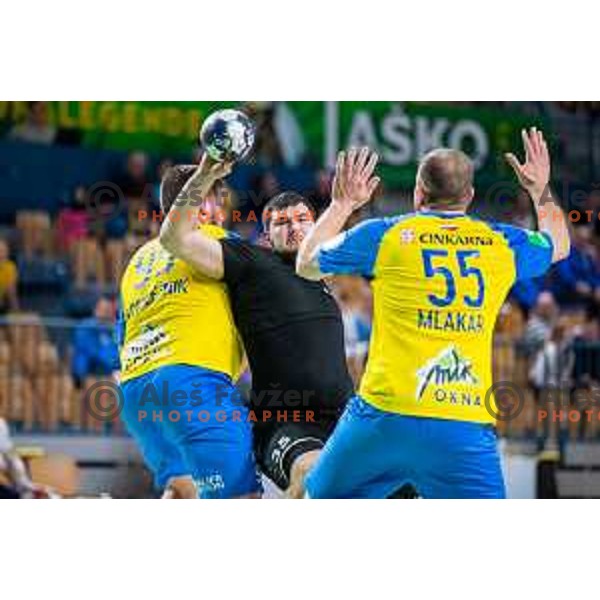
{"points": [[36, 129], [72, 221], [134, 183], [122, 230], [95, 351], [141, 194], [587, 348], [9, 300], [77, 236], [541, 323], [552, 366], [576, 280]]}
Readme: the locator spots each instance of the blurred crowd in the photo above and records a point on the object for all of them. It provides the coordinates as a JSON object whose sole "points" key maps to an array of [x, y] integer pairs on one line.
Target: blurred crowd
{"points": [[549, 330]]}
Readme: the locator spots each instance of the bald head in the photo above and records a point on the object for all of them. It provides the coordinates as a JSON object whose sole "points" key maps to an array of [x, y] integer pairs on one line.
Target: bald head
{"points": [[445, 178]]}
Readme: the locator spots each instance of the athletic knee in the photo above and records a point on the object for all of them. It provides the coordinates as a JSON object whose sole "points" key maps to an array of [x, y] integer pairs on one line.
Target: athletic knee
{"points": [[300, 469], [180, 488]]}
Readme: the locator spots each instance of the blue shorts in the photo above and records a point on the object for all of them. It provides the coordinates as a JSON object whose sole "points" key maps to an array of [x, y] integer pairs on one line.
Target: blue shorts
{"points": [[189, 421], [372, 454]]}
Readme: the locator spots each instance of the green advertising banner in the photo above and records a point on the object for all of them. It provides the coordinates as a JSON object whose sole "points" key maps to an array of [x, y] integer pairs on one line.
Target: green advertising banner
{"points": [[400, 131], [403, 131], [158, 127]]}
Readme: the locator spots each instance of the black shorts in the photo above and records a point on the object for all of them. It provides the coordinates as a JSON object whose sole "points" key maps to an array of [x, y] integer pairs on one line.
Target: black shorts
{"points": [[278, 445]]}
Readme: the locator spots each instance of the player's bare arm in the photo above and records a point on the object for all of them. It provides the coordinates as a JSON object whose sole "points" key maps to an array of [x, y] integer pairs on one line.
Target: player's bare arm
{"points": [[353, 187], [181, 236], [534, 176]]}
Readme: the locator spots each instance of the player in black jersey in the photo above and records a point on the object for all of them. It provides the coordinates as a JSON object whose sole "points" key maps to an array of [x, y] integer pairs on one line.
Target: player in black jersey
{"points": [[291, 328]]}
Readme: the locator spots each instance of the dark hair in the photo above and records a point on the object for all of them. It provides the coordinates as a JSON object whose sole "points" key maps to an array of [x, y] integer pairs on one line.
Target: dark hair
{"points": [[172, 183], [446, 176], [283, 201]]}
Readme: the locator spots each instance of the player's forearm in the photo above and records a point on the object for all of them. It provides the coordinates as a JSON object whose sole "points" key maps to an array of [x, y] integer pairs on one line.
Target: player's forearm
{"points": [[177, 227], [181, 235], [328, 226], [552, 220]]}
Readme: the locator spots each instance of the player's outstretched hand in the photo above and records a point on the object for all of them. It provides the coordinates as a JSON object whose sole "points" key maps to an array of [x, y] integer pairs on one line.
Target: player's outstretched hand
{"points": [[354, 184], [214, 170], [534, 175]]}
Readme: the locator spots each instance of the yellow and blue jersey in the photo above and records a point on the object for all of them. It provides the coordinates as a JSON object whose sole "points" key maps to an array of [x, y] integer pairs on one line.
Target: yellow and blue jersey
{"points": [[439, 281], [171, 315]]}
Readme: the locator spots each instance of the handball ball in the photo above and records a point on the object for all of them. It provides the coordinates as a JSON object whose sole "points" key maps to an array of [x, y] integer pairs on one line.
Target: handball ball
{"points": [[228, 135]]}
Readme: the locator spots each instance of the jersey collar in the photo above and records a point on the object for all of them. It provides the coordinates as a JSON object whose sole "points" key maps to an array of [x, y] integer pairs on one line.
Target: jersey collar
{"points": [[425, 212]]}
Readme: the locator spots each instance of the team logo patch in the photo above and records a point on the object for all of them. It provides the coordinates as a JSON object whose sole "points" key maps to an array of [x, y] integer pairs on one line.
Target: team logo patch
{"points": [[210, 484], [449, 367], [407, 236], [151, 344]]}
